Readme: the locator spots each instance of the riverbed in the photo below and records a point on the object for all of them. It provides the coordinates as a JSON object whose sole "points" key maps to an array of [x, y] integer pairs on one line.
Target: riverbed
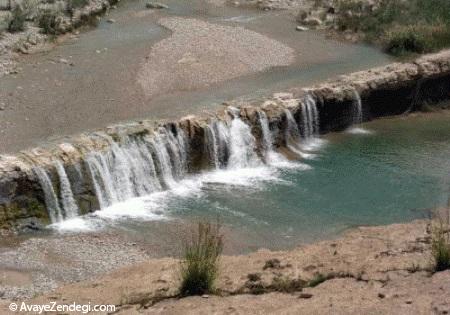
{"points": [[91, 80]]}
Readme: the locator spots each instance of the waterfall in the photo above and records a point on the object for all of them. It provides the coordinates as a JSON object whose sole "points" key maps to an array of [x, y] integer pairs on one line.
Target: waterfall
{"points": [[223, 142], [177, 152], [292, 134], [270, 155], [51, 201], [141, 165], [68, 201], [242, 146], [310, 117], [101, 179], [212, 147], [292, 131], [357, 116], [267, 135], [163, 160], [357, 108], [130, 170]]}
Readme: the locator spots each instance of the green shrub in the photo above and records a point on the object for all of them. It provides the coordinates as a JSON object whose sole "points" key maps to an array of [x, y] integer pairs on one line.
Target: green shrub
{"points": [[49, 22], [200, 265], [440, 247], [318, 279], [413, 26], [18, 19], [419, 38], [405, 40], [75, 4]]}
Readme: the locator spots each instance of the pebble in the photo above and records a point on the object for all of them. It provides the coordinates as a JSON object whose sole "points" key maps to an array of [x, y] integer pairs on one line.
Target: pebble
{"points": [[156, 5], [305, 296], [301, 28]]}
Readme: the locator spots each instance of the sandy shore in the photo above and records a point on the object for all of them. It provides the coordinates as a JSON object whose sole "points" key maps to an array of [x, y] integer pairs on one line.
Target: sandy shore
{"points": [[370, 270], [199, 53]]}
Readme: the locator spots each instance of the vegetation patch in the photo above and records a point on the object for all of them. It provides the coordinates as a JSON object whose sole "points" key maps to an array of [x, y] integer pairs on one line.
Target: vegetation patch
{"points": [[440, 246], [401, 27], [18, 20], [200, 264], [49, 22]]}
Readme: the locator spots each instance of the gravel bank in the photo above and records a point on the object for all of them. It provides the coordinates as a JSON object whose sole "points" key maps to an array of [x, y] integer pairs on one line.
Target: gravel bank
{"points": [[200, 53], [41, 264]]}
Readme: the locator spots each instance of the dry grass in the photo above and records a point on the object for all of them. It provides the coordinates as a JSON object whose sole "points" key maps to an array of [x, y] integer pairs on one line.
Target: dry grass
{"points": [[440, 242]]}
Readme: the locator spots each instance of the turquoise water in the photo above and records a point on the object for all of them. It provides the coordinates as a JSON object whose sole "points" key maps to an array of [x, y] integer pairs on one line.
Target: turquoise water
{"points": [[396, 173], [392, 170]]}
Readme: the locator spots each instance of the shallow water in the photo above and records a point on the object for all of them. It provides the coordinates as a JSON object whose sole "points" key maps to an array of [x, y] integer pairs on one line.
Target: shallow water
{"points": [[396, 171]]}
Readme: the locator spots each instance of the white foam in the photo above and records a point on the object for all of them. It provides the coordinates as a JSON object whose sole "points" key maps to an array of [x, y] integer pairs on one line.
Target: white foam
{"points": [[312, 144], [77, 224], [358, 131]]}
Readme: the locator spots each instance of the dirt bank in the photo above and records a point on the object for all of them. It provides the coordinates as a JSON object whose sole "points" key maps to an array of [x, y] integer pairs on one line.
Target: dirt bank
{"points": [[376, 270]]}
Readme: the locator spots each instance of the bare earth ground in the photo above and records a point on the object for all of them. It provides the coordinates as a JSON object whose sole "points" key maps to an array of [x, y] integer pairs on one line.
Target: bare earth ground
{"points": [[370, 270], [202, 53]]}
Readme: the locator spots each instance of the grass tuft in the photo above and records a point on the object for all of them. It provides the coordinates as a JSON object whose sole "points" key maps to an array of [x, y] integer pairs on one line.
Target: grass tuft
{"points": [[440, 246], [200, 265]]}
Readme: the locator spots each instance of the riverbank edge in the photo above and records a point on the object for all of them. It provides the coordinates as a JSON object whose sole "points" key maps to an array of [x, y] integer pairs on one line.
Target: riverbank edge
{"points": [[380, 269], [34, 40], [395, 89]]}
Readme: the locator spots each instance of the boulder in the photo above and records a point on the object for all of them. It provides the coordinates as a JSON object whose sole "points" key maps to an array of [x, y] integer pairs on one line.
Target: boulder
{"points": [[301, 28], [312, 21]]}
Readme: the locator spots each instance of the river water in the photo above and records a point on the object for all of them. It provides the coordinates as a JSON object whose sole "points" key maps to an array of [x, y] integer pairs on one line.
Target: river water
{"points": [[396, 170]]}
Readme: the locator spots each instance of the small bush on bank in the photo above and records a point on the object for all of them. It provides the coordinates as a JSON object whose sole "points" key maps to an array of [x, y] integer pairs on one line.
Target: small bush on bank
{"points": [[200, 265], [72, 5], [76, 4], [49, 22], [18, 20], [417, 38], [440, 246]]}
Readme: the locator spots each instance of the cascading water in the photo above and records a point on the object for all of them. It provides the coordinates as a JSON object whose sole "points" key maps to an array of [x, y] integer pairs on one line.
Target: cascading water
{"points": [[357, 108], [293, 137], [270, 155], [292, 131], [310, 117], [51, 200], [68, 201], [212, 147], [242, 146], [130, 170], [140, 166], [357, 115], [222, 133], [101, 179]]}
